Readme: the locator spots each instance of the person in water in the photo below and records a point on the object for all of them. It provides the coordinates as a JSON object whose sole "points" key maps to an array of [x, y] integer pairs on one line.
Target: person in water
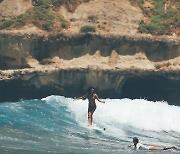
{"points": [[91, 96], [139, 146]]}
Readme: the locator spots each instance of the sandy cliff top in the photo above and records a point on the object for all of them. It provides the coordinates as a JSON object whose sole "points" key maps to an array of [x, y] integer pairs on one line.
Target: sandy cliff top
{"points": [[13, 8], [115, 17]]}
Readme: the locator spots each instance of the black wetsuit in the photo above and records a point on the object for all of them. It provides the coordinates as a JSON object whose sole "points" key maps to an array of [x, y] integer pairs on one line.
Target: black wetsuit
{"points": [[92, 104], [91, 108]]}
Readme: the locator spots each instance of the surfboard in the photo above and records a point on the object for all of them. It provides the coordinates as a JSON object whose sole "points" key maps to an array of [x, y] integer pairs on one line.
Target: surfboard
{"points": [[96, 128]]}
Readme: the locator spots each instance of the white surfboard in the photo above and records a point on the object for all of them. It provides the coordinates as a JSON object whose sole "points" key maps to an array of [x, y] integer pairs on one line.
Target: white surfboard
{"points": [[95, 127]]}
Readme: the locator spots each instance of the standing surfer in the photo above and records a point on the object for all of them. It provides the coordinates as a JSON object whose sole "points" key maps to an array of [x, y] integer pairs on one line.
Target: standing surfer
{"points": [[91, 96]]}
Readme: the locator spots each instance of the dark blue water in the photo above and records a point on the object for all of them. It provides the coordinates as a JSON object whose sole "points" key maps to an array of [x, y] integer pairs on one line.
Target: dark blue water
{"points": [[58, 125]]}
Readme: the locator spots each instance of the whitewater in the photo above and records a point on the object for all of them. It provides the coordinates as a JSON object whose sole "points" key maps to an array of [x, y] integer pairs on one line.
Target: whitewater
{"points": [[56, 124]]}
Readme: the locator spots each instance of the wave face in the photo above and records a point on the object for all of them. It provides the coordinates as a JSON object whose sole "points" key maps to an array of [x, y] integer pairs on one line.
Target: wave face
{"points": [[59, 125]]}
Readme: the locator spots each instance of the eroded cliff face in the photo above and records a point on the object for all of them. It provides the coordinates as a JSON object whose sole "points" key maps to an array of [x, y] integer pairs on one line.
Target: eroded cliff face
{"points": [[34, 83], [117, 66], [14, 49]]}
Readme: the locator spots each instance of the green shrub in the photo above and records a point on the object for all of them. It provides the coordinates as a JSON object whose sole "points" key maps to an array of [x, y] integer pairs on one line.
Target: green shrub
{"points": [[44, 3], [58, 2], [64, 25], [87, 28], [142, 28], [140, 3], [153, 27], [46, 25], [22, 20], [6, 24], [161, 22], [43, 18], [159, 9], [63, 22], [178, 21], [156, 19], [18, 22]]}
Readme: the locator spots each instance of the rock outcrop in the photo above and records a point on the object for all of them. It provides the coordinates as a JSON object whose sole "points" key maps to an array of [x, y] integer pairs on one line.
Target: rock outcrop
{"points": [[16, 48], [10, 9], [116, 60], [49, 80], [117, 66]]}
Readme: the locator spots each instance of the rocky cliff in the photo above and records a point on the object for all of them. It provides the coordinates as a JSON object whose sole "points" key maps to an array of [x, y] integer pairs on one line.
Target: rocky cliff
{"points": [[16, 48], [49, 80], [117, 60], [10, 9], [117, 66]]}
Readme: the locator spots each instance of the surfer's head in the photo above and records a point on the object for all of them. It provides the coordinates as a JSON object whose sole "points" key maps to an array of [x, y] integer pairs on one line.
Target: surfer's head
{"points": [[91, 90], [135, 140]]}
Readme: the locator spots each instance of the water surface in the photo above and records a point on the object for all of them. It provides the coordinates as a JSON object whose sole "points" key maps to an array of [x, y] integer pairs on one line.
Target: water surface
{"points": [[59, 125]]}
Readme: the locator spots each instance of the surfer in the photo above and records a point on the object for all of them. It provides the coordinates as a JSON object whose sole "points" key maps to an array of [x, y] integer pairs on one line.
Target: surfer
{"points": [[91, 96], [139, 146]]}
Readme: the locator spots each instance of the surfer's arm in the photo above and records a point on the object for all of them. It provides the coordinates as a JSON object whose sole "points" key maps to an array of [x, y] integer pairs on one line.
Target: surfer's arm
{"points": [[81, 97], [99, 99], [130, 145]]}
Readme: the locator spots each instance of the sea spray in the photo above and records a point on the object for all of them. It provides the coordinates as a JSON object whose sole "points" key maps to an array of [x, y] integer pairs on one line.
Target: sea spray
{"points": [[138, 113]]}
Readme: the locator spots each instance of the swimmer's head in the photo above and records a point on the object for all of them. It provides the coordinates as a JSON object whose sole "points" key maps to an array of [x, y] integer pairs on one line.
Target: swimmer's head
{"points": [[135, 140]]}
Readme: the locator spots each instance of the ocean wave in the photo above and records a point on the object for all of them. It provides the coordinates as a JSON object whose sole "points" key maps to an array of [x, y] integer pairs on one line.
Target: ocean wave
{"points": [[55, 121]]}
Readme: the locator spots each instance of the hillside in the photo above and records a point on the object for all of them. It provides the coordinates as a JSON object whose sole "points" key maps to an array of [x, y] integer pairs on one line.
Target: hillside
{"points": [[10, 9], [124, 17]]}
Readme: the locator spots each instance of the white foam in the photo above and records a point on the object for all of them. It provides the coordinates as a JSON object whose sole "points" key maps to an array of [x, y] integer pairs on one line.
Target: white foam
{"points": [[138, 113]]}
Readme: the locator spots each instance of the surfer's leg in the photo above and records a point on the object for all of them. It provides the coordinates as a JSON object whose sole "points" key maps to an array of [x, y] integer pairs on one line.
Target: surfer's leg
{"points": [[90, 114], [89, 119], [172, 147], [155, 148], [159, 148]]}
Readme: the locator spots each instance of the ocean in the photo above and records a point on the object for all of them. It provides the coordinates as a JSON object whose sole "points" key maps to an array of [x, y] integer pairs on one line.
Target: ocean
{"points": [[56, 124]]}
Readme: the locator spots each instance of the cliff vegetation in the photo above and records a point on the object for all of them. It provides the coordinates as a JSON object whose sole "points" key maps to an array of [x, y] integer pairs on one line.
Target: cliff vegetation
{"points": [[160, 17]]}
